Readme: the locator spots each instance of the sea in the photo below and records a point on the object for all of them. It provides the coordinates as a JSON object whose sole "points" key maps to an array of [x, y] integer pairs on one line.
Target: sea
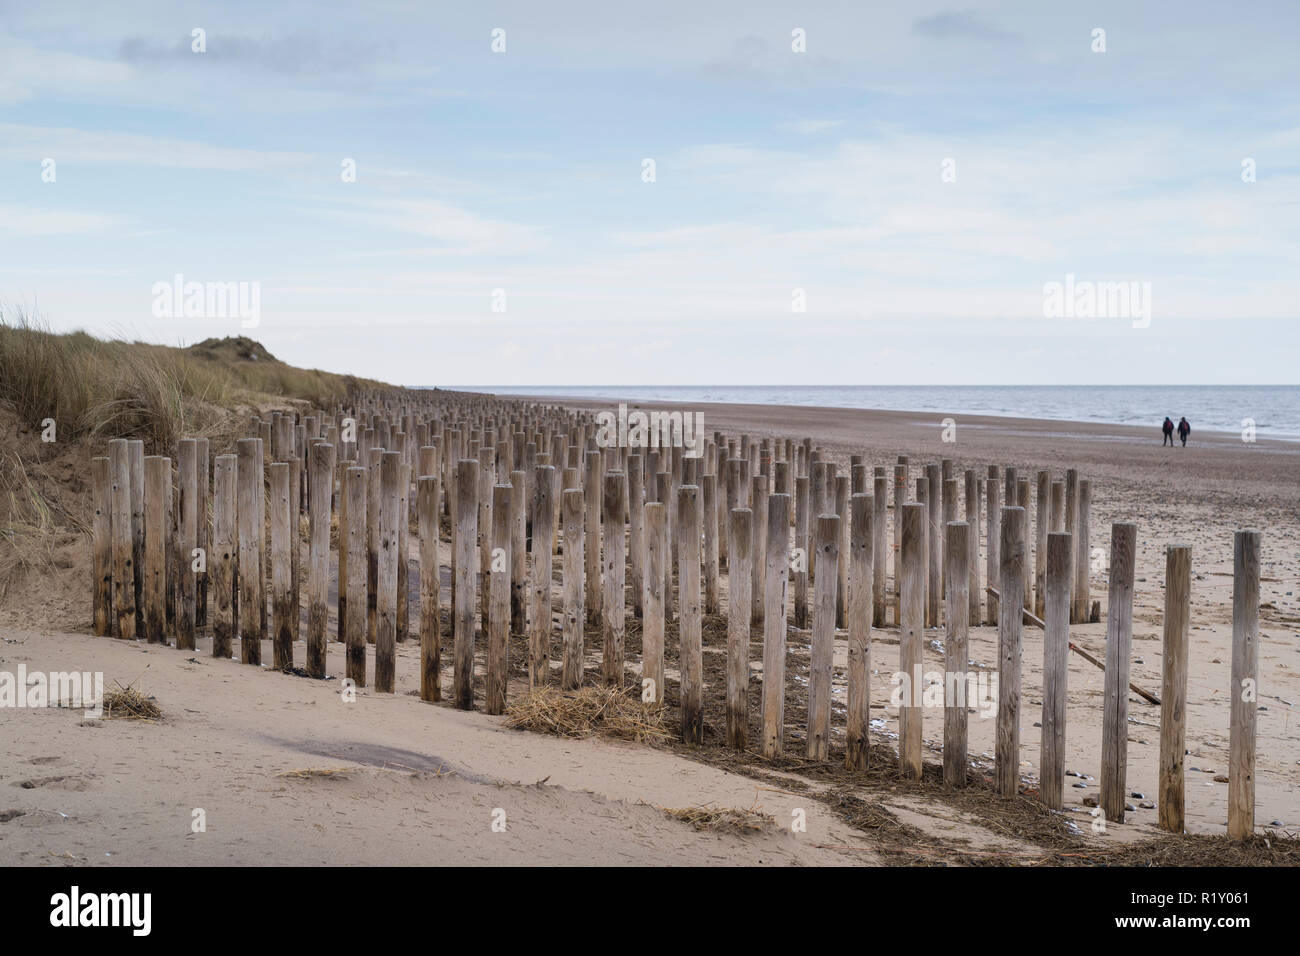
{"points": [[1274, 410]]}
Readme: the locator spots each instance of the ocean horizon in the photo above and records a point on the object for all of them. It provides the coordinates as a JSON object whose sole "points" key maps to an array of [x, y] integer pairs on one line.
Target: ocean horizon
{"points": [[1273, 409]]}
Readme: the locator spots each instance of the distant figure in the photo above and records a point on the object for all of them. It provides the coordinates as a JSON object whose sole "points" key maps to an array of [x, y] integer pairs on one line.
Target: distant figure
{"points": [[1184, 430], [1169, 432]]}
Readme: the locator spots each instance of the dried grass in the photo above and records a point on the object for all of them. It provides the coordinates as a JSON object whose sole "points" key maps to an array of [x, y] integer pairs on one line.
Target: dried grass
{"points": [[308, 773], [723, 819], [589, 712], [127, 703]]}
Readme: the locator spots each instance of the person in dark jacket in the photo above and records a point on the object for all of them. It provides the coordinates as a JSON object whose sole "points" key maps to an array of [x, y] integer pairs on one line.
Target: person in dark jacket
{"points": [[1168, 429], [1184, 430]]}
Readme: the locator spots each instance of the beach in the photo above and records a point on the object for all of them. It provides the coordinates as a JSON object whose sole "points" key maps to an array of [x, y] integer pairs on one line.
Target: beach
{"points": [[423, 783]]}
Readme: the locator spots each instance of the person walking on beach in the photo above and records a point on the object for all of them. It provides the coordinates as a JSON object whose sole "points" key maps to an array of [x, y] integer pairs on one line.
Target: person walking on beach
{"points": [[1168, 429], [1184, 430]]}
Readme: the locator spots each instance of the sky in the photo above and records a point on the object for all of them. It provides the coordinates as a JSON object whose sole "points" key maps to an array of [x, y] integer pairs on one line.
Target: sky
{"points": [[842, 193]]}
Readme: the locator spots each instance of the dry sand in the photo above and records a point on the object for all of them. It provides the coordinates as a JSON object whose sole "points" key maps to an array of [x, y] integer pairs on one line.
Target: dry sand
{"points": [[424, 780]]}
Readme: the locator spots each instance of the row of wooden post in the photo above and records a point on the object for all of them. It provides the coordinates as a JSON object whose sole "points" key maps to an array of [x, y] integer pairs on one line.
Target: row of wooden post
{"points": [[617, 522]]}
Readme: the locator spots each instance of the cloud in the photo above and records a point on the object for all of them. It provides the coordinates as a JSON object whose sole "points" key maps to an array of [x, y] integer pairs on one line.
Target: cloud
{"points": [[24, 142], [21, 220], [292, 54], [961, 24]]}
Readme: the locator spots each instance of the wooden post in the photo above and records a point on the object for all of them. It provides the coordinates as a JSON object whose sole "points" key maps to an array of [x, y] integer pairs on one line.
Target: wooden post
{"points": [[636, 532], [403, 547], [613, 574], [123, 556], [1173, 687], [374, 495], [1119, 636], [949, 516], [956, 658], [689, 623], [879, 517], [386, 569], [102, 545], [740, 533], [863, 578], [757, 546], [841, 510], [934, 542], [498, 602], [712, 581], [466, 572], [912, 611], [652, 626], [321, 470], [157, 493], [204, 538], [1072, 517], [283, 601], [135, 463], [992, 539], [225, 551], [574, 620], [825, 587], [900, 499], [355, 490], [1006, 752], [973, 546], [1042, 522], [1244, 689], [802, 506], [250, 558], [188, 477], [776, 586], [518, 553], [593, 488], [539, 627], [1079, 613], [1058, 506], [1056, 650]]}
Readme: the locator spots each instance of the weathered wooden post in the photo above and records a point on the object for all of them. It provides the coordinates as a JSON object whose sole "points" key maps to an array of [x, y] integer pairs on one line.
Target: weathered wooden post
{"points": [[636, 532], [539, 625], [135, 460], [1082, 548], [802, 507], [652, 629], [1042, 523], [776, 586], [740, 532], [912, 611], [825, 587], [1072, 517], [386, 569], [1245, 684], [1173, 687], [956, 658], [157, 493], [188, 487], [321, 469], [1119, 636], [250, 557], [466, 572], [879, 552], [992, 539], [355, 490], [225, 551], [934, 545], [204, 536], [498, 602], [518, 553], [594, 488], [574, 620], [900, 499], [123, 554], [1006, 753], [374, 494], [863, 606], [1056, 651], [284, 602], [689, 622], [102, 545], [712, 580], [758, 545], [613, 574]]}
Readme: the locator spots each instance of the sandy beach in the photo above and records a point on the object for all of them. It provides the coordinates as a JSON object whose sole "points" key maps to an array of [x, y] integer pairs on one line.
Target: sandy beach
{"points": [[424, 784]]}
